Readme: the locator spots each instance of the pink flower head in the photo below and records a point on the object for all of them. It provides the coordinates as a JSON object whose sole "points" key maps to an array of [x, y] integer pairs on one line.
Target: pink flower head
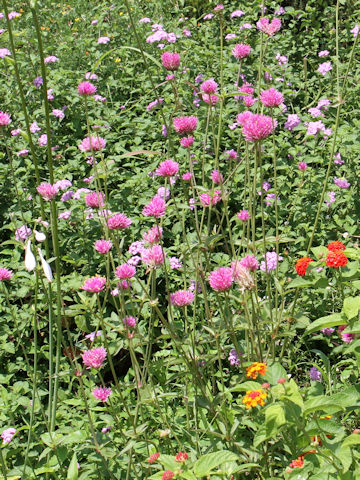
{"points": [[241, 50], [94, 284], [129, 321], [187, 176], [345, 337], [209, 86], [182, 298], [101, 393], [246, 88], [92, 144], [210, 99], [51, 59], [156, 208], [169, 168], [221, 279], [47, 191], [341, 182], [43, 140], [302, 166], [186, 142], [323, 53], [5, 119], [103, 246], [244, 117], [258, 127], [243, 215], [95, 357], [292, 121], [185, 125], [103, 40], [324, 68], [153, 235], [269, 28], [217, 177], [250, 262], [125, 271], [355, 31], [5, 274], [206, 199], [118, 221], [86, 88], [219, 8], [95, 200], [237, 14], [170, 61], [7, 435], [153, 256], [271, 98]]}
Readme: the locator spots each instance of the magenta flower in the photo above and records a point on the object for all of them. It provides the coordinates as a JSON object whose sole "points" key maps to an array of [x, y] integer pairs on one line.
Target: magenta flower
{"points": [[186, 142], [95, 200], [271, 98], [92, 143], [47, 191], [209, 86], [217, 177], [95, 357], [250, 262], [182, 298], [94, 284], [169, 168], [153, 235], [271, 262], [43, 140], [103, 246], [269, 28], [175, 263], [125, 271], [302, 166], [58, 113], [130, 321], [5, 274], [221, 279], [156, 208], [345, 337], [243, 215], [101, 393], [170, 61], [324, 68], [5, 119], [206, 199], [86, 88], [257, 127], [153, 256], [187, 176], [185, 125], [241, 50], [7, 435], [210, 99], [242, 118], [118, 221], [341, 182]]}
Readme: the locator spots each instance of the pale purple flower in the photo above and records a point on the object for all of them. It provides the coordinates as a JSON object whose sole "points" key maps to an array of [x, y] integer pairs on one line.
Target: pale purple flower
{"points": [[43, 140], [58, 113], [292, 121], [315, 112], [315, 374], [338, 160], [281, 11], [270, 262], [23, 153], [91, 76], [13, 15], [234, 358], [145, 20], [51, 59], [91, 336], [328, 331], [38, 81], [324, 68], [323, 53], [175, 263], [22, 233], [245, 26], [237, 14], [4, 52], [94, 22], [282, 59], [136, 247], [34, 127], [7, 435], [208, 16], [103, 40], [355, 31], [341, 182], [332, 198], [49, 94], [323, 104], [230, 36], [16, 132], [186, 32], [164, 131], [270, 199], [314, 127], [65, 197], [65, 215]]}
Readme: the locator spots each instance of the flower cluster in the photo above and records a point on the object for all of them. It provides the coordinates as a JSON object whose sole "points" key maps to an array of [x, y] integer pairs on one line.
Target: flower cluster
{"points": [[254, 398], [256, 369]]}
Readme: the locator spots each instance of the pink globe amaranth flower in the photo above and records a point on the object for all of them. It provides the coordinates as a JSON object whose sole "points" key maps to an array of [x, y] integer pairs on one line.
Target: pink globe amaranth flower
{"points": [[250, 262], [118, 221], [95, 357], [170, 61], [169, 168], [125, 271], [95, 200], [324, 68], [217, 177], [129, 321], [187, 176], [5, 274], [302, 166], [185, 125], [153, 256], [86, 88], [271, 98], [182, 298], [269, 28], [241, 50], [7, 435], [258, 127], [153, 235], [156, 208], [92, 144], [47, 191], [103, 246], [292, 121], [249, 101], [210, 99], [94, 284], [209, 86], [5, 119], [244, 117], [221, 279], [243, 215], [345, 337], [101, 393], [206, 199], [186, 142]]}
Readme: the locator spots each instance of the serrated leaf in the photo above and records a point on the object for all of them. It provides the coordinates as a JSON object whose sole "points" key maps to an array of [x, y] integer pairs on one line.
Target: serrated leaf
{"points": [[351, 307], [275, 371], [274, 418], [205, 464]]}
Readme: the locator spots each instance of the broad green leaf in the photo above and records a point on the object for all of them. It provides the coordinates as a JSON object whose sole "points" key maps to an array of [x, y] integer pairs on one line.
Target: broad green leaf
{"points": [[274, 418], [275, 371], [244, 387], [205, 464], [351, 307], [322, 403], [329, 321], [72, 473], [168, 462], [353, 439]]}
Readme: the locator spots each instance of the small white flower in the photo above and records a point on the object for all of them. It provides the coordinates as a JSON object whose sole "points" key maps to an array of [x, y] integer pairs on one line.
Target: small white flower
{"points": [[46, 267], [39, 236], [30, 261]]}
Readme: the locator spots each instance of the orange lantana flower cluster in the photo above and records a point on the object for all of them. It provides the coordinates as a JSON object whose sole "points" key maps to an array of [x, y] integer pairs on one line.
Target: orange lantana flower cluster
{"points": [[254, 398], [302, 264], [256, 369]]}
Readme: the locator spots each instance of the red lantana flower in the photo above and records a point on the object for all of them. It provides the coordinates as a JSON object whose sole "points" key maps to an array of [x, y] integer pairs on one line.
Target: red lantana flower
{"points": [[153, 457], [336, 259], [181, 457], [301, 265], [334, 246]]}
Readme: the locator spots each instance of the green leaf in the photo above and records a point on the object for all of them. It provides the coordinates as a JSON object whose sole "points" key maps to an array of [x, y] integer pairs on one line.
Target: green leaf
{"points": [[244, 387], [274, 418], [329, 321], [273, 374], [72, 473], [353, 439], [205, 464], [323, 403], [351, 307]]}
